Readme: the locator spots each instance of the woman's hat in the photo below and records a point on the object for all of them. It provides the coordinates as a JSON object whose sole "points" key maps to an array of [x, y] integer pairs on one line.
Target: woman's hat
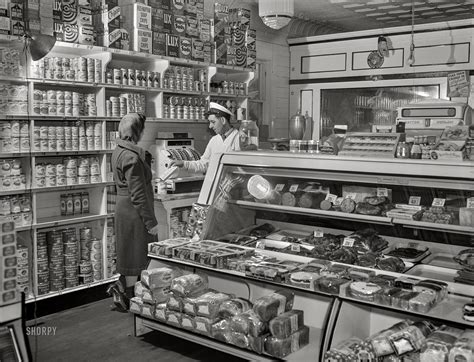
{"points": [[218, 107]]}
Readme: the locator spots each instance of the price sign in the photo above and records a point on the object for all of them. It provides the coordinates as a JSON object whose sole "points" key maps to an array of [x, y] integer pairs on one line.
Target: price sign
{"points": [[438, 202], [293, 188], [260, 245], [382, 192], [318, 233], [338, 201], [351, 195], [470, 203], [296, 248], [414, 200], [279, 187], [348, 242], [331, 197]]}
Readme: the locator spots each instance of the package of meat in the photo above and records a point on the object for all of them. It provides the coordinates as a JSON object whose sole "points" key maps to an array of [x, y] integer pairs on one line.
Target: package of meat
{"points": [[221, 330], [189, 284], [233, 307], [344, 351], [281, 348], [463, 348], [160, 312], [136, 305], [385, 297], [204, 325], [438, 288], [392, 264], [165, 247], [156, 296], [139, 289], [148, 310], [272, 305], [409, 339], [402, 299], [344, 255], [286, 324], [330, 285], [270, 271], [365, 208], [248, 323], [187, 322], [208, 305], [189, 303], [175, 303], [437, 345], [422, 303], [159, 277], [174, 318], [383, 280]]}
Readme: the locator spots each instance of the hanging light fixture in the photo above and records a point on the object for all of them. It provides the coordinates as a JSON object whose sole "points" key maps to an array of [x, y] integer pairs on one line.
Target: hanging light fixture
{"points": [[411, 58], [39, 45], [276, 14]]}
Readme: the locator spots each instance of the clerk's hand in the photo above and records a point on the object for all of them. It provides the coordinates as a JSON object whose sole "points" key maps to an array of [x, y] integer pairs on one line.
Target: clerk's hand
{"points": [[177, 163], [153, 230]]}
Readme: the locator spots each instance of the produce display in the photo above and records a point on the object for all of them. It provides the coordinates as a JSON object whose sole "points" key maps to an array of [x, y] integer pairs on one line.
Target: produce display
{"points": [[268, 326], [407, 341]]}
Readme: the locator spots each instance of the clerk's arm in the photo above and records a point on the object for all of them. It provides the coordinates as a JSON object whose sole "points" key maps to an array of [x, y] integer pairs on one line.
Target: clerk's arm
{"points": [[202, 164]]}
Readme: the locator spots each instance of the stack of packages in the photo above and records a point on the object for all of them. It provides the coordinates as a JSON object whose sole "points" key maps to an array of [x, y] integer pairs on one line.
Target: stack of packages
{"points": [[111, 249], [8, 266], [107, 24], [235, 42], [407, 341], [18, 15], [42, 267], [136, 20], [71, 257], [180, 30], [23, 273], [56, 260]]}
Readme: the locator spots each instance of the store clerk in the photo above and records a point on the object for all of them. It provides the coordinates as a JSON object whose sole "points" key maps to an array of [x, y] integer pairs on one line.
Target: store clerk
{"points": [[225, 140]]}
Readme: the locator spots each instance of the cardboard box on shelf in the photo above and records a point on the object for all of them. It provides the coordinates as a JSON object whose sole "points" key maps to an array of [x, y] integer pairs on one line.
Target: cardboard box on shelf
{"points": [[16, 11], [230, 56], [168, 19], [8, 297], [251, 39], [57, 9], [85, 15], [46, 26], [18, 27], [192, 28], [71, 32], [117, 39], [221, 19], [103, 5], [136, 16], [58, 29], [205, 29], [251, 59], [5, 9], [197, 51], [200, 9], [208, 52], [159, 43], [177, 7], [179, 25], [106, 21], [185, 47], [238, 36], [141, 40], [191, 7], [86, 35], [172, 45], [157, 21], [241, 56]]}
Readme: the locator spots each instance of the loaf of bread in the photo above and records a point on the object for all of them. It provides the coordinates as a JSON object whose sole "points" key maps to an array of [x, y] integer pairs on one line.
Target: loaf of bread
{"points": [[136, 305], [207, 305], [189, 303], [189, 284], [437, 346], [148, 310], [187, 322], [344, 351], [233, 307], [204, 325], [160, 312], [138, 289], [438, 288], [463, 348], [402, 299], [385, 297], [221, 330], [329, 285], [156, 296], [248, 323], [272, 305], [286, 324], [174, 318], [281, 348], [159, 277], [241, 340], [175, 303], [422, 303], [409, 339], [380, 341]]}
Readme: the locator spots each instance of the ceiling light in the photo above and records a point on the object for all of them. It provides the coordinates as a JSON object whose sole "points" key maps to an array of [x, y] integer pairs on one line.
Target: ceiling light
{"points": [[276, 13]]}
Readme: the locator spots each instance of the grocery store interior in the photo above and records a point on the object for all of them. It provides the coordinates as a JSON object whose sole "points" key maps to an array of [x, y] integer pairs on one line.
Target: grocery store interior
{"points": [[301, 187]]}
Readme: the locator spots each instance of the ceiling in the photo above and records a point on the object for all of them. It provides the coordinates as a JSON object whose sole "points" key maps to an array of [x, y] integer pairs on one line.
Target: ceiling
{"points": [[329, 16]]}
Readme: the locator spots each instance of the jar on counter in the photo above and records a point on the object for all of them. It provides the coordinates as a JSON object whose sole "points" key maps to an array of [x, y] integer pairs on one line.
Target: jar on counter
{"points": [[403, 150], [248, 134], [294, 146], [415, 151]]}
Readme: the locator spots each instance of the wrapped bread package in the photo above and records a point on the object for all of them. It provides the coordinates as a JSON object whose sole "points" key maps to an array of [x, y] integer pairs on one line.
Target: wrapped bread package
{"points": [[438, 288], [165, 247], [189, 303], [463, 348], [204, 325], [344, 351], [189, 284], [281, 348], [437, 346], [272, 305], [241, 340], [422, 303], [233, 307], [221, 330], [286, 324], [410, 339], [207, 305], [136, 305], [159, 277], [380, 342], [248, 323], [175, 303], [148, 310], [160, 312], [139, 289], [174, 318], [187, 322], [156, 296]]}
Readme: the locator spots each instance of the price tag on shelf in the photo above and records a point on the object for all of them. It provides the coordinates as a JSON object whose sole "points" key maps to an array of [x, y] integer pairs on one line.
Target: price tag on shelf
{"points": [[260, 245], [351, 195], [414, 200], [348, 242], [318, 233], [331, 197], [438, 202], [294, 188], [296, 248], [338, 201], [382, 192], [470, 203]]}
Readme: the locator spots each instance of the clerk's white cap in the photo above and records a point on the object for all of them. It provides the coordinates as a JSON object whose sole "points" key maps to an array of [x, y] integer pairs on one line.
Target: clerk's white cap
{"points": [[216, 106]]}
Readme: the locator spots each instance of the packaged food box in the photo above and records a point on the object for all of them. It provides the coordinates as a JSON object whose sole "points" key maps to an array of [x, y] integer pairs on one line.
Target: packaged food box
{"points": [[207, 305], [281, 348], [174, 318], [272, 305], [187, 322], [160, 312], [159, 277], [204, 325], [165, 247], [286, 324], [189, 285]]}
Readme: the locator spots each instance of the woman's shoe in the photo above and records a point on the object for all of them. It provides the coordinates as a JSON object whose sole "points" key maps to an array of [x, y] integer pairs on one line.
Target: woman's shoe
{"points": [[121, 301]]}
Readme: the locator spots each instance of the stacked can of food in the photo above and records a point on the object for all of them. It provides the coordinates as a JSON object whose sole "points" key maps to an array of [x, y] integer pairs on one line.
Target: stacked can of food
{"points": [[42, 263], [23, 273], [94, 170], [71, 257], [96, 258], [12, 176], [70, 164], [14, 136], [85, 240], [85, 272], [13, 99], [17, 208], [111, 249], [83, 171], [111, 139], [63, 68], [119, 106], [56, 260]]}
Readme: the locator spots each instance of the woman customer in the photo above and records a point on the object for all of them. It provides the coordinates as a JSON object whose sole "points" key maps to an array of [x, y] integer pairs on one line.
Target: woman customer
{"points": [[135, 222]]}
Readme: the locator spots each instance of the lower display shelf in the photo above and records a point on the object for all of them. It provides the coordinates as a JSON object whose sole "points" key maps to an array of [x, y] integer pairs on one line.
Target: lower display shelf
{"points": [[65, 220], [307, 353], [10, 312], [32, 299]]}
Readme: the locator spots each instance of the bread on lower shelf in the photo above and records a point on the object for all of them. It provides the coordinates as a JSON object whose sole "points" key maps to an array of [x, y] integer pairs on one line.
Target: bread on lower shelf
{"points": [[281, 348], [272, 305], [286, 324]]}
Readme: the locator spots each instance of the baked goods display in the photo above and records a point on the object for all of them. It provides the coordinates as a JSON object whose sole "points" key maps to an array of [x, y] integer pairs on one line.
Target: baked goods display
{"points": [[268, 326], [370, 144]]}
